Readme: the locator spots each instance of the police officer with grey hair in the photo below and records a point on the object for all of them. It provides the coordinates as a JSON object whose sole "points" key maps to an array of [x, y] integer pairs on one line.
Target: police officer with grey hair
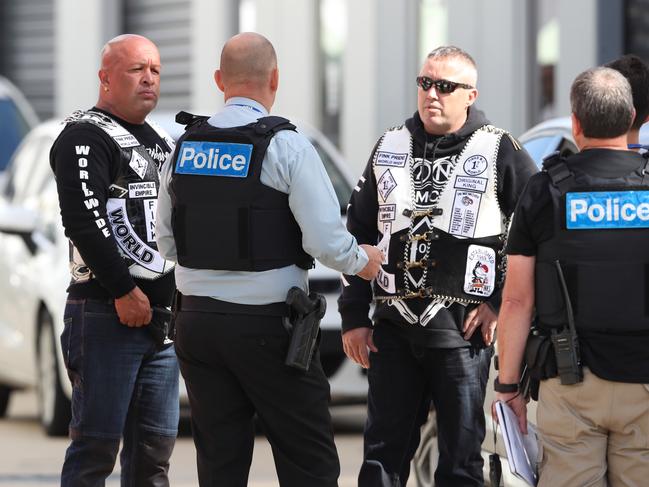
{"points": [[578, 254], [245, 206]]}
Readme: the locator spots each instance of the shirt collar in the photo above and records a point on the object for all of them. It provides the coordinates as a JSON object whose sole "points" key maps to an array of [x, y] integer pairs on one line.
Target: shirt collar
{"points": [[249, 103]]}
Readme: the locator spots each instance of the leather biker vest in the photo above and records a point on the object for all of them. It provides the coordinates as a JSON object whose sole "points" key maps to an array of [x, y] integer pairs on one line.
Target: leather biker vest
{"points": [[131, 206], [443, 243]]}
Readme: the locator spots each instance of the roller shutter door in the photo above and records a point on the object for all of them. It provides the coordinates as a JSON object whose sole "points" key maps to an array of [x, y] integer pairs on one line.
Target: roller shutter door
{"points": [[167, 23], [28, 50]]}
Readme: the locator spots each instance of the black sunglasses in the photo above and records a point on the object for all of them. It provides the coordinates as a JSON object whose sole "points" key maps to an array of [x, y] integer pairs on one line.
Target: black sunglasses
{"points": [[444, 86]]}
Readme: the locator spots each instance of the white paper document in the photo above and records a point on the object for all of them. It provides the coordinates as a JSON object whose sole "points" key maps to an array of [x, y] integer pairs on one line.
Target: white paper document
{"points": [[522, 450]]}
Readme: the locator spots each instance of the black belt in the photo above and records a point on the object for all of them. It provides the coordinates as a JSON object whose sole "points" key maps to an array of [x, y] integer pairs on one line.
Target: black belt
{"points": [[205, 304]]}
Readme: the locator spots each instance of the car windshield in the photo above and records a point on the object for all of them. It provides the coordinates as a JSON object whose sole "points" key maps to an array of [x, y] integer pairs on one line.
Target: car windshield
{"points": [[13, 128]]}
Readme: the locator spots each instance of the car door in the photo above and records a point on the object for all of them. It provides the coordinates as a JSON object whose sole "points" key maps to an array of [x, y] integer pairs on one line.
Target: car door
{"points": [[27, 179]]}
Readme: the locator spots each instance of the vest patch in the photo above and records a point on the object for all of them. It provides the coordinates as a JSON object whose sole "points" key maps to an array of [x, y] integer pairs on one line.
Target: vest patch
{"points": [[386, 281], [471, 183], [150, 208], [139, 164], [384, 243], [142, 190], [464, 214], [214, 159], [386, 184], [480, 274], [476, 164], [387, 213], [126, 140], [607, 209], [128, 240], [391, 159]]}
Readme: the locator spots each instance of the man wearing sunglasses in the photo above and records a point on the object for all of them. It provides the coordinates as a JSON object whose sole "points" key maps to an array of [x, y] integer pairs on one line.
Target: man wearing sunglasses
{"points": [[437, 194]]}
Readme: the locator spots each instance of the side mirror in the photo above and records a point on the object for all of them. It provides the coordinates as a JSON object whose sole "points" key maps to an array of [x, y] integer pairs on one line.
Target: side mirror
{"points": [[15, 220]]}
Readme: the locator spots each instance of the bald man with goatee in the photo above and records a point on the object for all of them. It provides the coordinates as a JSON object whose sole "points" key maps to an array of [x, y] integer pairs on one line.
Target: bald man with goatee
{"points": [[245, 207], [121, 364]]}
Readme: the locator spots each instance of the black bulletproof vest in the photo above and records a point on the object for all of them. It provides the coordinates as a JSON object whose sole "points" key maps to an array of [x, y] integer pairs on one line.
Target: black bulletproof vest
{"points": [[223, 217], [606, 270]]}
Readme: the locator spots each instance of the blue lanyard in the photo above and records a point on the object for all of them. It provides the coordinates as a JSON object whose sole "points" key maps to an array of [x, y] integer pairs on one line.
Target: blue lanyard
{"points": [[638, 146], [246, 106]]}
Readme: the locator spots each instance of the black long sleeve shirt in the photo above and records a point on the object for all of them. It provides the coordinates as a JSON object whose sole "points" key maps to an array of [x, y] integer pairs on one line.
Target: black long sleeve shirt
{"points": [[83, 225]]}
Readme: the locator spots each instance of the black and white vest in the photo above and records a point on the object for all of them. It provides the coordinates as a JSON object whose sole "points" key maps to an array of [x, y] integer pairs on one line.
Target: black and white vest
{"points": [[132, 202], [441, 226]]}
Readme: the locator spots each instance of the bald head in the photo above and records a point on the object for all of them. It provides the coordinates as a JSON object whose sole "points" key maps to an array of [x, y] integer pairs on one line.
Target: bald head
{"points": [[129, 77], [247, 58], [119, 46]]}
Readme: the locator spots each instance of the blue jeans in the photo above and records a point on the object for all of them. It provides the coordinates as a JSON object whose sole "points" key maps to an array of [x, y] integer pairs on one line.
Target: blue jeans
{"points": [[403, 380], [122, 386]]}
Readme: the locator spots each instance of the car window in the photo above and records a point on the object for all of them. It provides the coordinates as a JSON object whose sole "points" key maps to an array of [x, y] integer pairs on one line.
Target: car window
{"points": [[25, 170], [13, 127], [542, 146], [340, 184]]}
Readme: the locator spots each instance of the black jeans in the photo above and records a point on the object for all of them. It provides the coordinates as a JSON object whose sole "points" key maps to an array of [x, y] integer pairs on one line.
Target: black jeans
{"points": [[403, 380], [233, 366]]}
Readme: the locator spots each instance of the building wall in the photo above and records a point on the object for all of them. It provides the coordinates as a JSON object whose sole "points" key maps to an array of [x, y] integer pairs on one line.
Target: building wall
{"points": [[51, 50]]}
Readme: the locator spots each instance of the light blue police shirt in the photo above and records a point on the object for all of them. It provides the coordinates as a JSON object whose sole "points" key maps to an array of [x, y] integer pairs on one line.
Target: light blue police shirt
{"points": [[292, 166]]}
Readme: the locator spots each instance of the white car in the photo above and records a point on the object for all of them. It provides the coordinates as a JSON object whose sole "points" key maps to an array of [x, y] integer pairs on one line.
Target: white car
{"points": [[17, 116], [34, 276]]}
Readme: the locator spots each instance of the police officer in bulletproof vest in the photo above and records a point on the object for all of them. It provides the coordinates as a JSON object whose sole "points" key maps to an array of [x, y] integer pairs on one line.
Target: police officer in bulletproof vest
{"points": [[123, 368], [244, 208], [578, 253]]}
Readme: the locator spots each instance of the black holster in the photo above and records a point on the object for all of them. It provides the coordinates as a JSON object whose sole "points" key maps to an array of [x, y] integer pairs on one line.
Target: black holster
{"points": [[540, 359], [161, 326], [303, 323]]}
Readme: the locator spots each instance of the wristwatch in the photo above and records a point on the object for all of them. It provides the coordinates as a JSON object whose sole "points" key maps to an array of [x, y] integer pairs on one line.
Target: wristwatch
{"points": [[499, 387]]}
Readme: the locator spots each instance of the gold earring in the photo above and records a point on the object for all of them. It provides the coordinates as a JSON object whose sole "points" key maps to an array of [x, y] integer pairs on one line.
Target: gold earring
{"points": [[105, 88]]}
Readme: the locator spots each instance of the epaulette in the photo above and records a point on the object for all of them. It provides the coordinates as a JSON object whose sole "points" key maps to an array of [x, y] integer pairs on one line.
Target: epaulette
{"points": [[272, 124], [560, 174], [189, 119]]}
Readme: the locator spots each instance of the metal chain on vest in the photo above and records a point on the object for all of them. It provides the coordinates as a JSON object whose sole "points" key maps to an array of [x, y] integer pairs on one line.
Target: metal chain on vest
{"points": [[408, 292]]}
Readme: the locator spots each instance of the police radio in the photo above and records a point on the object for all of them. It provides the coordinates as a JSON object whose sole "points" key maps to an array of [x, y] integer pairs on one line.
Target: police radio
{"points": [[565, 342]]}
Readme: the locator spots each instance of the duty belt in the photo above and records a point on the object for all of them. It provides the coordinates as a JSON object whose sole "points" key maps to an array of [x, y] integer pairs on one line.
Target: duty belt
{"points": [[205, 304]]}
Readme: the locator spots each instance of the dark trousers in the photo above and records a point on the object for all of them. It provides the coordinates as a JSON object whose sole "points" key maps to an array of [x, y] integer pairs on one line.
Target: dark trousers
{"points": [[233, 366], [403, 380], [122, 387]]}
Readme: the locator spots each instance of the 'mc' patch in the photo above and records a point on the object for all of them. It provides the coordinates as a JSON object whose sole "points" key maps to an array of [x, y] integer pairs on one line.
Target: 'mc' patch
{"points": [[607, 210], [214, 159]]}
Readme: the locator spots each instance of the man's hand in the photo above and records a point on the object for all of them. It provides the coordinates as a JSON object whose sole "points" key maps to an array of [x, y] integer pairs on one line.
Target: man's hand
{"points": [[517, 403], [356, 342], [482, 316], [134, 308], [373, 266]]}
